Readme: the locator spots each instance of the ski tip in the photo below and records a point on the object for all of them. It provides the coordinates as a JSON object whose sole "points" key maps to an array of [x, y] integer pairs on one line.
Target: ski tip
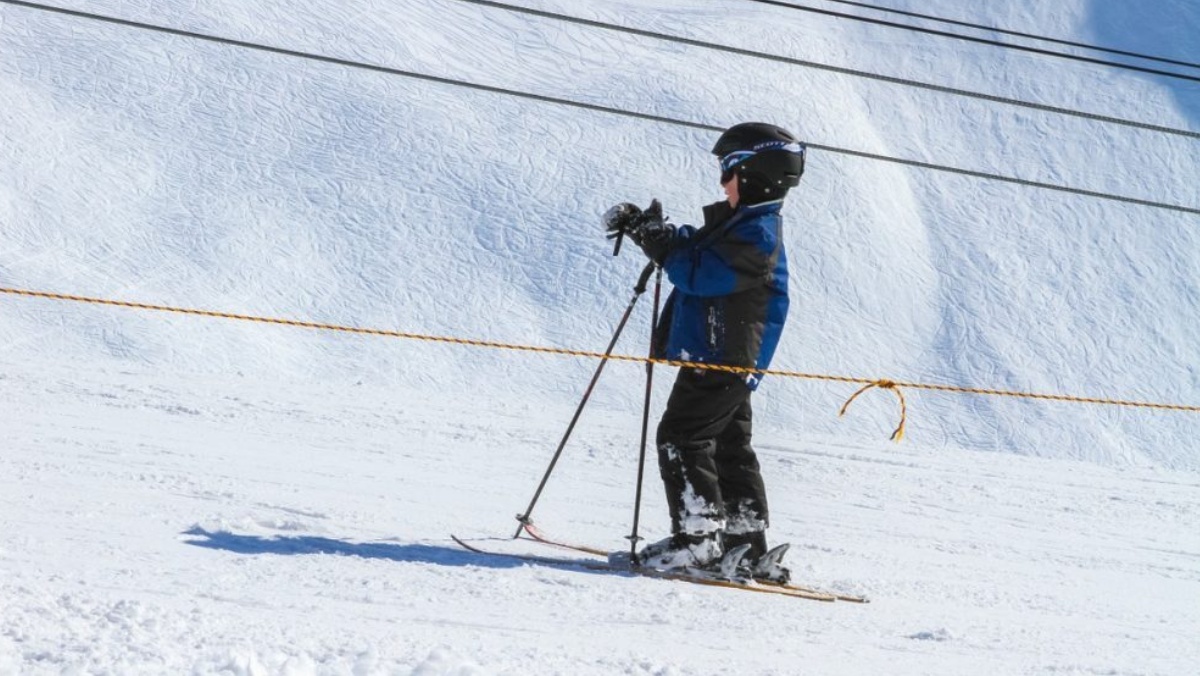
{"points": [[732, 561], [776, 553]]}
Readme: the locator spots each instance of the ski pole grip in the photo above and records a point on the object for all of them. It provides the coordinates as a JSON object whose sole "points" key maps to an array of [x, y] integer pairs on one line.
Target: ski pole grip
{"points": [[644, 279]]}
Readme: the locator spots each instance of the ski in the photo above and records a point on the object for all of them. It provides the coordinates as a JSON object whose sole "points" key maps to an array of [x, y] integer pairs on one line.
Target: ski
{"points": [[537, 535], [692, 576]]}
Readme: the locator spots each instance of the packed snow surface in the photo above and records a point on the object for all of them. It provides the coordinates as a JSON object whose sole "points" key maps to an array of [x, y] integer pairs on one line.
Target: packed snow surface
{"points": [[187, 494]]}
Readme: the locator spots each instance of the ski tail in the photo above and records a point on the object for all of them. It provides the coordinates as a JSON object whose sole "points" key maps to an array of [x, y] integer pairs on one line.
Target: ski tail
{"points": [[535, 533]]}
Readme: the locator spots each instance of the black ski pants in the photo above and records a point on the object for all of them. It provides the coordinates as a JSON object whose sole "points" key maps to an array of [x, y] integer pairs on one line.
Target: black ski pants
{"points": [[708, 466]]}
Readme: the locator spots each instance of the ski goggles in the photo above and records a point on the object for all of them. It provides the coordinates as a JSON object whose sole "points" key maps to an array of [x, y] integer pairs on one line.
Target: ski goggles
{"points": [[730, 162]]}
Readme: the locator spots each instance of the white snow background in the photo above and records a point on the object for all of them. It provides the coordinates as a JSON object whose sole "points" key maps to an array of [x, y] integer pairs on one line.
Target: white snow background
{"points": [[182, 494]]}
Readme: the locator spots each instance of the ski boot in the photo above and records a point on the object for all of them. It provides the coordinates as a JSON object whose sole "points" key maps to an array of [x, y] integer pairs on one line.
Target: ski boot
{"points": [[682, 550]]}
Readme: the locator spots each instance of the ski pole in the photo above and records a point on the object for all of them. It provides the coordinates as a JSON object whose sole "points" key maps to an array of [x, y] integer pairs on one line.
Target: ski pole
{"points": [[637, 292], [637, 502]]}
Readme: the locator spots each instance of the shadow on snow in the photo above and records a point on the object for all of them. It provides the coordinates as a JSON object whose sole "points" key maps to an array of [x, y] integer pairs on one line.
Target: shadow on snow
{"points": [[293, 545]]}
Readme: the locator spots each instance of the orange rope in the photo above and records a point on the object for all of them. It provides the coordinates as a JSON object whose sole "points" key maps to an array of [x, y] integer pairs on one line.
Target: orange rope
{"points": [[868, 383], [883, 385]]}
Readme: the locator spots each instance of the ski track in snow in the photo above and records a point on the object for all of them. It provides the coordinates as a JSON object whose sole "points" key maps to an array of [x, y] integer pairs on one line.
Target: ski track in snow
{"points": [[161, 523]]}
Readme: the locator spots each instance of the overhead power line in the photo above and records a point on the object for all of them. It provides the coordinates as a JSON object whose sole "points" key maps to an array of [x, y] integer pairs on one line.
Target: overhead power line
{"points": [[1030, 36], [581, 105], [984, 41], [591, 23], [707, 45]]}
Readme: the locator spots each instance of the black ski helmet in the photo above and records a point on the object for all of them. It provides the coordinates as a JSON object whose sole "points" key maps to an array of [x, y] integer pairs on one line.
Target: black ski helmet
{"points": [[768, 160]]}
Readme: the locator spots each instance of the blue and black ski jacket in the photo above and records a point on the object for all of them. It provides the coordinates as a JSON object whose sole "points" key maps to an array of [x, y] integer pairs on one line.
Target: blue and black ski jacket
{"points": [[730, 299]]}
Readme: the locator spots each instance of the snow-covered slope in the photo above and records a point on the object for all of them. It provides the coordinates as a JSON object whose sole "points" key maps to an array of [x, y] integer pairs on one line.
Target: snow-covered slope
{"points": [[168, 170], [163, 169], [222, 525]]}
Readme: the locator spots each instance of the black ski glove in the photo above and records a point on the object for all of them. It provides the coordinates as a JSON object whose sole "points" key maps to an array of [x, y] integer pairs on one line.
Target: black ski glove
{"points": [[620, 219], [654, 233], [648, 229]]}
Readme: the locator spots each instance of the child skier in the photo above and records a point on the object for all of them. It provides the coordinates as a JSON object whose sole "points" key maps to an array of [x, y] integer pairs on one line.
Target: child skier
{"points": [[727, 308]]}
